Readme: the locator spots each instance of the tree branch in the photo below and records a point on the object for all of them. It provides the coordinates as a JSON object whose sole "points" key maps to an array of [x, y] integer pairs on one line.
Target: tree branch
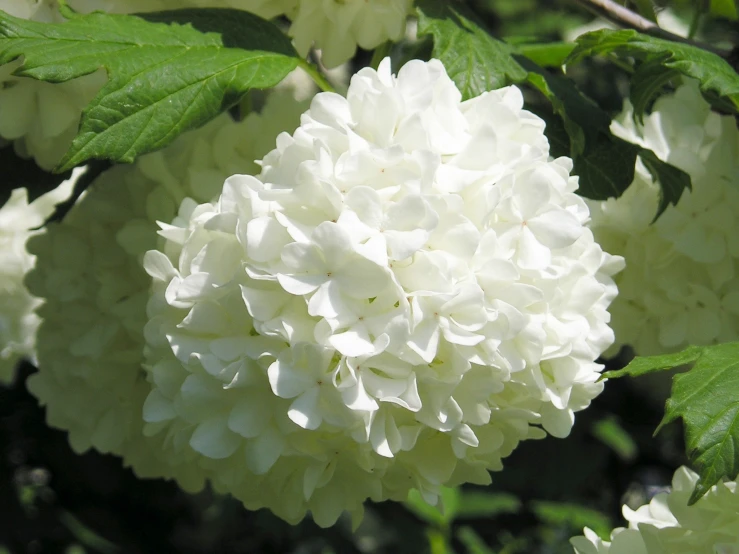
{"points": [[625, 17]]}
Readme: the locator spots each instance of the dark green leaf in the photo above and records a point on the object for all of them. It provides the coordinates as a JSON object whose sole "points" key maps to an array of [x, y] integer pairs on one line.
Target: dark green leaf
{"points": [[474, 60], [713, 72], [583, 120], [163, 78], [641, 365], [707, 400], [647, 83], [646, 9], [672, 180], [559, 141], [606, 168]]}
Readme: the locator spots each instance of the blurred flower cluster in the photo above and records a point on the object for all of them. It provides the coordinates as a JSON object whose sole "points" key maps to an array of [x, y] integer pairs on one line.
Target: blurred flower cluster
{"points": [[668, 525], [681, 282]]}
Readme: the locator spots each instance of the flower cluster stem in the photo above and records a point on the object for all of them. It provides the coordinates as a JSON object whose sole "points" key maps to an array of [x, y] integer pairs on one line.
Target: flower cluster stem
{"points": [[318, 77]]}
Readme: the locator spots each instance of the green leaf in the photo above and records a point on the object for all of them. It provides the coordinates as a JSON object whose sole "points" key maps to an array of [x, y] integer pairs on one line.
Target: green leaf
{"points": [[583, 120], [478, 504], [641, 365], [441, 515], [646, 9], [647, 82], [473, 543], [474, 60], [606, 168], [609, 432], [551, 54], [424, 511], [167, 72], [559, 142], [571, 515], [672, 180], [724, 8], [713, 72], [707, 400]]}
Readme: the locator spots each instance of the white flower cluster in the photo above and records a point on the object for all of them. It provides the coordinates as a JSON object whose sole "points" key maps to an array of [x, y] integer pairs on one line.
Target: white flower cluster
{"points": [[18, 322], [263, 8], [42, 118], [39, 10], [667, 525], [90, 276], [404, 293], [336, 27], [681, 285]]}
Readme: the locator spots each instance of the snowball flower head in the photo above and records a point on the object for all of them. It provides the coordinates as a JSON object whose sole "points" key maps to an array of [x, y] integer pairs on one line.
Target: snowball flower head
{"points": [[681, 284], [27, 9], [263, 8], [667, 525], [42, 118], [404, 293], [18, 322], [90, 276], [337, 27]]}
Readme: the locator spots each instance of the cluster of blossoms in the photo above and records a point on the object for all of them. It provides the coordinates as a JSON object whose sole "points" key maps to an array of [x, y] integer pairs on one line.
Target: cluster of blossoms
{"points": [[667, 525], [94, 288], [18, 322], [406, 291], [681, 284], [41, 117], [336, 27]]}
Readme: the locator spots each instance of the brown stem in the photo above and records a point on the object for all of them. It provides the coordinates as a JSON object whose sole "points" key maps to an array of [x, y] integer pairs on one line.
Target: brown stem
{"points": [[627, 18]]}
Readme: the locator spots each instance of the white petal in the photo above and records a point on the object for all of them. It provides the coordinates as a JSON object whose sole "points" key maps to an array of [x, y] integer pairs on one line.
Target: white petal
{"points": [[213, 439], [304, 409]]}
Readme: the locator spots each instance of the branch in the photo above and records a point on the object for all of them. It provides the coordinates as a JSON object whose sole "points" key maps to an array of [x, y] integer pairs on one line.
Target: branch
{"points": [[624, 17]]}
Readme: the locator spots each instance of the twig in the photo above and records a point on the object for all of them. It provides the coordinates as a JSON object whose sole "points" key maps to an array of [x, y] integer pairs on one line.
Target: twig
{"points": [[317, 76], [626, 18]]}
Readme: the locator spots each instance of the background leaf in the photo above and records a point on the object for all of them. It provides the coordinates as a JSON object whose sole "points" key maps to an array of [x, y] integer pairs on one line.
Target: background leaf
{"points": [[613, 435], [163, 78], [648, 81], [573, 515], [474, 504], [606, 168], [724, 8], [646, 9], [672, 180], [713, 72]]}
